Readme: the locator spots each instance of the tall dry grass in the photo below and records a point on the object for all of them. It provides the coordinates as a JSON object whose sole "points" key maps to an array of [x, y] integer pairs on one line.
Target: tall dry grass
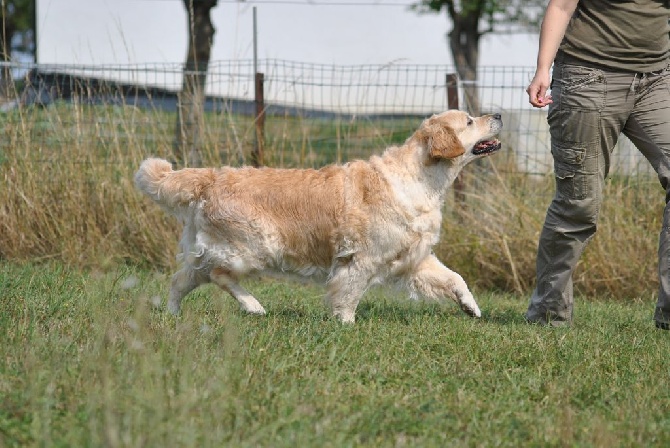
{"points": [[493, 238], [67, 193]]}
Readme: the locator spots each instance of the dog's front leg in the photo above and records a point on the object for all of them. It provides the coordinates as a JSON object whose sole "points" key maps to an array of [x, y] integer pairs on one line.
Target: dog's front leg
{"points": [[345, 289], [435, 281], [183, 281]]}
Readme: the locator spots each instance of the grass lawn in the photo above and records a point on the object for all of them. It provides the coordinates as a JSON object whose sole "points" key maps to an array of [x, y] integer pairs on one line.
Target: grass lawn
{"points": [[88, 359]]}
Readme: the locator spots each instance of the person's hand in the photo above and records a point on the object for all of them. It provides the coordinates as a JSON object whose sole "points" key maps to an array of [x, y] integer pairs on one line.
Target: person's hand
{"points": [[537, 90]]}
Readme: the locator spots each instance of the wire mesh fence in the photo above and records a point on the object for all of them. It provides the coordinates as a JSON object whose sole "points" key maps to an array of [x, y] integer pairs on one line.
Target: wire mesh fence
{"points": [[72, 137], [314, 113]]}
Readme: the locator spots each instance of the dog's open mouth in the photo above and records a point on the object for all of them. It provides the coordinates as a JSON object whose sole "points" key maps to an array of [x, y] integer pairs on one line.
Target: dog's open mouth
{"points": [[486, 147]]}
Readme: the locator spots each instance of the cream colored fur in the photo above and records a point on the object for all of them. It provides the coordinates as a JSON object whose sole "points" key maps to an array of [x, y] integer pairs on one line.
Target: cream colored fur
{"points": [[352, 225]]}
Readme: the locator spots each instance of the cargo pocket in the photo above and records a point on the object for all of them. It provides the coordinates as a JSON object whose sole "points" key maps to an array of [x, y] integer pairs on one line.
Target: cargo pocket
{"points": [[582, 88], [579, 97], [571, 181]]}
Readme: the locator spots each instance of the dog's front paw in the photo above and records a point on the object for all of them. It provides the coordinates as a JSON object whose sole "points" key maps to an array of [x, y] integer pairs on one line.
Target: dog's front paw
{"points": [[345, 316], [469, 306], [254, 308], [472, 312], [173, 308]]}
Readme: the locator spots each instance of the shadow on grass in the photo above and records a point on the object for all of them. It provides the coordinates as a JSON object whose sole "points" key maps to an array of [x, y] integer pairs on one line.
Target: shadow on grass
{"points": [[399, 312], [289, 313], [366, 311], [504, 317], [406, 313], [403, 313]]}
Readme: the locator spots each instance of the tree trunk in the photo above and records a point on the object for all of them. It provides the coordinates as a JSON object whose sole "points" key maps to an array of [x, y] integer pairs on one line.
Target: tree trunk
{"points": [[464, 46], [7, 30], [191, 101]]}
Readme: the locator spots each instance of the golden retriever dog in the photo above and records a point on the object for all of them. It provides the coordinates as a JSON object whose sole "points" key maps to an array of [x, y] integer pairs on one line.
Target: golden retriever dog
{"points": [[354, 225]]}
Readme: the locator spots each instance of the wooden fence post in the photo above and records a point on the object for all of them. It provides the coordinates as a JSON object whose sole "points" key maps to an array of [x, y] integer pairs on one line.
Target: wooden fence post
{"points": [[452, 103], [452, 91], [259, 142]]}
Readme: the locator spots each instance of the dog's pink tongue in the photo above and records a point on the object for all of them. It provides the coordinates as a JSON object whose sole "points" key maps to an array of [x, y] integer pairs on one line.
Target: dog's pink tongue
{"points": [[484, 143]]}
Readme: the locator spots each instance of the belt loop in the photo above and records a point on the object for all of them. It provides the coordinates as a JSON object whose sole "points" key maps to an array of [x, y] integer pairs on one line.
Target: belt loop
{"points": [[632, 84]]}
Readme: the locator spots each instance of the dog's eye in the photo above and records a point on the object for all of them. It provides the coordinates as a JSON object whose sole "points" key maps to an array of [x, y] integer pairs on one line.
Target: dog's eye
{"points": [[470, 121]]}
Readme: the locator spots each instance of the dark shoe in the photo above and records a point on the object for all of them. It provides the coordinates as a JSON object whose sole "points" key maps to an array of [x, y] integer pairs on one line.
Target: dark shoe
{"points": [[548, 319], [543, 322], [663, 325]]}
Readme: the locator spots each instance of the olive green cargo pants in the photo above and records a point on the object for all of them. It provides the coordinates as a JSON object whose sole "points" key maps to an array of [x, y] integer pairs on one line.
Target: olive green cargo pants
{"points": [[591, 109]]}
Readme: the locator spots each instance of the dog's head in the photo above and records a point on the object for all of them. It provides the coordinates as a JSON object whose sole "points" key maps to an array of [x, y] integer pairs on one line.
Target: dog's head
{"points": [[454, 135]]}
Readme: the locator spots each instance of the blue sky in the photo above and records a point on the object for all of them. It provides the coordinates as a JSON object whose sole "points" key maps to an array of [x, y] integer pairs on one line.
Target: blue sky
{"points": [[148, 31]]}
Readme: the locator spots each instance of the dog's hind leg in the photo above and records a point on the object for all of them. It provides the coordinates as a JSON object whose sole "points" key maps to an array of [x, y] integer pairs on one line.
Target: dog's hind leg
{"points": [[225, 280], [435, 281], [183, 281]]}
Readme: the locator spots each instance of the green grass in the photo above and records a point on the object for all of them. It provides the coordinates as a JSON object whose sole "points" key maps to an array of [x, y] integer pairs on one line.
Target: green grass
{"points": [[88, 360]]}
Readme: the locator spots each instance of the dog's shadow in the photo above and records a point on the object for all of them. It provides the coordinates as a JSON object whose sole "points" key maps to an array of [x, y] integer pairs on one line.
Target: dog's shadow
{"points": [[401, 313], [406, 313], [366, 311], [293, 314], [503, 317]]}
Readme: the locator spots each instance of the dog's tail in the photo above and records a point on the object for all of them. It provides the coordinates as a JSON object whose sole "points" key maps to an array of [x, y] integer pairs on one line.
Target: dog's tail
{"points": [[172, 189]]}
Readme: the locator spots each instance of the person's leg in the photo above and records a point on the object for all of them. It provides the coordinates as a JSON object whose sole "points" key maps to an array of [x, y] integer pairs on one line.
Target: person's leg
{"points": [[649, 129], [585, 121], [568, 227]]}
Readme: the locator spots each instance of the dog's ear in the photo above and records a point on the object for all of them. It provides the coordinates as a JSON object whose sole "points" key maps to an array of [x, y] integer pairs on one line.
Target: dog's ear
{"points": [[442, 141]]}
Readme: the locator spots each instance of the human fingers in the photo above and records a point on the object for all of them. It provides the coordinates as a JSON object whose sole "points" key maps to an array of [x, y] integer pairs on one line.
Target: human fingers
{"points": [[537, 95], [533, 91]]}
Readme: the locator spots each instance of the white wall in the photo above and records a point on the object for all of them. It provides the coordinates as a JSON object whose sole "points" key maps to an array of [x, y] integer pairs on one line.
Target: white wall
{"points": [[113, 32], [142, 31]]}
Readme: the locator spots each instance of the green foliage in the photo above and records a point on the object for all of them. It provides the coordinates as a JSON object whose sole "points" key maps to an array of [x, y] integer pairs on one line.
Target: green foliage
{"points": [[498, 15], [89, 360], [15, 16], [19, 12]]}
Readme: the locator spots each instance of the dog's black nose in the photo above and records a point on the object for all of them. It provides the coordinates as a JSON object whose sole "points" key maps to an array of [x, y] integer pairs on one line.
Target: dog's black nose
{"points": [[497, 116]]}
